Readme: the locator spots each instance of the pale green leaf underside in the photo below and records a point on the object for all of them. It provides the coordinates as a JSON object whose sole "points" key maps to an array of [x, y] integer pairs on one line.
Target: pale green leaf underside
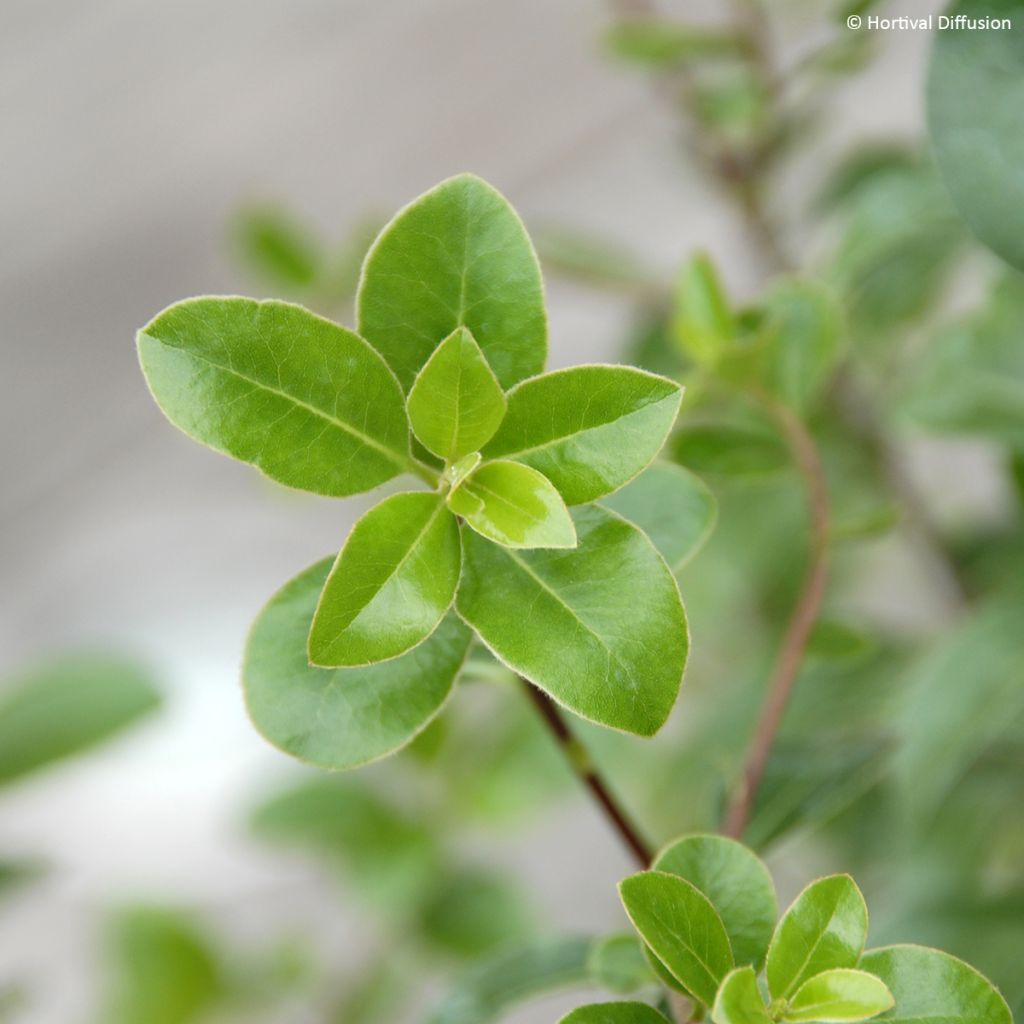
{"points": [[826, 927], [614, 1013], [588, 429], [601, 628], [739, 1000], [344, 717], [841, 996], [932, 987], [456, 402], [391, 585], [682, 929], [305, 401], [457, 256], [514, 506]]}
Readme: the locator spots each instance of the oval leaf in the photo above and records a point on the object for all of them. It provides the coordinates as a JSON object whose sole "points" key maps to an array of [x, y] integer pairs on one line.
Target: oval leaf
{"points": [[515, 506], [456, 402], [835, 997], [343, 717], [457, 256], [588, 429], [600, 628], [614, 1013], [930, 985], [303, 400], [618, 964], [975, 96], [682, 929], [672, 506], [739, 1000], [391, 584], [826, 927], [736, 882]]}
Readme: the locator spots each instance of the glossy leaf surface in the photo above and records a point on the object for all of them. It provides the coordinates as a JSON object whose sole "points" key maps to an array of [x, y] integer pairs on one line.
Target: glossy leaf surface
{"points": [[682, 929], [739, 1000], [737, 884], [514, 506], [837, 997], [457, 256], [391, 584], [588, 429], [456, 402], [303, 400], [672, 506], [825, 927], [614, 1013], [343, 717], [601, 628], [929, 985]]}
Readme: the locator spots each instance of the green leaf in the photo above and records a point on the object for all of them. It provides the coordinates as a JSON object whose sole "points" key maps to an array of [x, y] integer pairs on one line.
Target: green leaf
{"points": [[736, 883], [672, 506], [588, 429], [839, 996], [932, 986], [826, 927], [457, 256], [497, 984], [303, 400], [739, 1000], [729, 450], [703, 322], [275, 247], [657, 43], [66, 705], [614, 1013], [975, 95], [456, 402], [682, 928], [514, 506], [600, 628], [618, 964], [391, 585], [344, 717]]}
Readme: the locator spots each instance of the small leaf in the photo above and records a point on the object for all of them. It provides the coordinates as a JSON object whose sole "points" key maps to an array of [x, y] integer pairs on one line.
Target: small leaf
{"points": [[600, 628], [682, 928], [276, 247], [739, 1000], [344, 717], [618, 964], [588, 429], [303, 400], [839, 996], [614, 1013], [456, 402], [391, 584], [824, 928], [703, 323], [930, 985], [658, 43], [672, 506], [737, 884], [457, 256], [514, 506]]}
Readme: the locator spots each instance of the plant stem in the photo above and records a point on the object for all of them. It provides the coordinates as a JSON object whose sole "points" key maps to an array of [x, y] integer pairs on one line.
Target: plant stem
{"points": [[794, 643], [588, 775]]}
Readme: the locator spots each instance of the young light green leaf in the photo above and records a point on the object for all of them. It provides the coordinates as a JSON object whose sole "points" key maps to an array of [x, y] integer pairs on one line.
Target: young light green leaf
{"points": [[682, 928], [672, 506], [837, 997], [614, 1013], [514, 506], [457, 256], [929, 985], [344, 717], [303, 400], [703, 323], [825, 927], [456, 402], [600, 628], [391, 585], [739, 1000], [618, 964], [276, 247], [658, 43], [975, 95], [588, 429], [737, 884]]}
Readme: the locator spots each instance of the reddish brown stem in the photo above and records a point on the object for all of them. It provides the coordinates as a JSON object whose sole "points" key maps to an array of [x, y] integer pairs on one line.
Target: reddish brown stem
{"points": [[587, 774]]}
